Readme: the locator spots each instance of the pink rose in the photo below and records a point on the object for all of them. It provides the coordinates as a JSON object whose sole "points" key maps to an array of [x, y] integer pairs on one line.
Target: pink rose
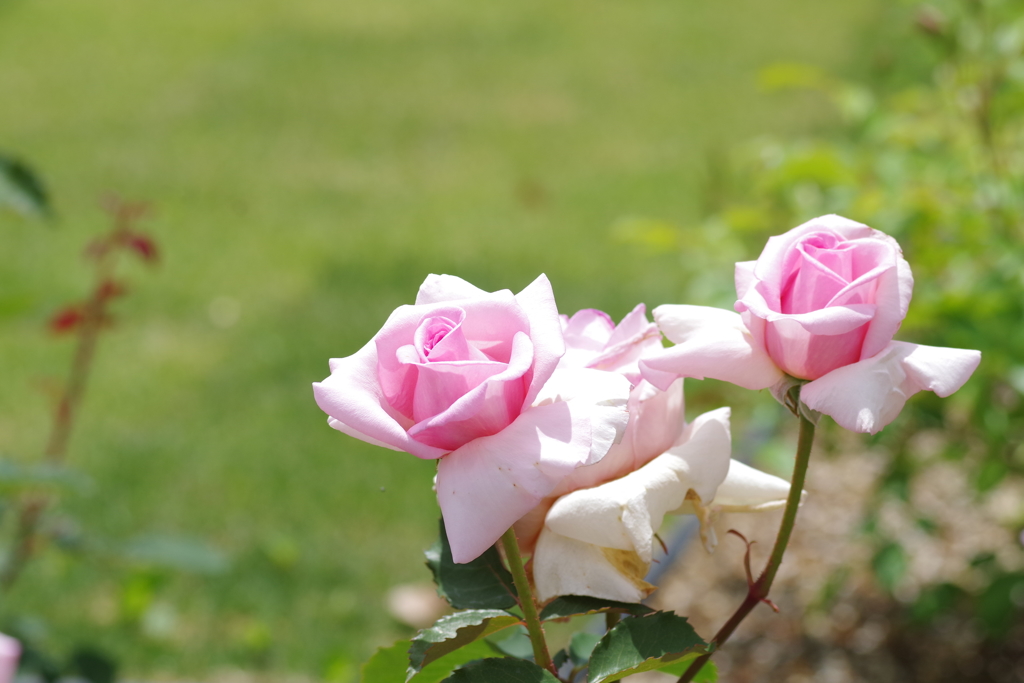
{"points": [[10, 651], [469, 377], [822, 303]]}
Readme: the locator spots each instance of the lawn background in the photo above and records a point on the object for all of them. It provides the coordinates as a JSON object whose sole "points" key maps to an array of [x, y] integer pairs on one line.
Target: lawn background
{"points": [[311, 161]]}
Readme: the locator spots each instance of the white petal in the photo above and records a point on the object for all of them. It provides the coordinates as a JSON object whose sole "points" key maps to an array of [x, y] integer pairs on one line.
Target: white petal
{"points": [[565, 566], [868, 395], [746, 489], [625, 513], [710, 342]]}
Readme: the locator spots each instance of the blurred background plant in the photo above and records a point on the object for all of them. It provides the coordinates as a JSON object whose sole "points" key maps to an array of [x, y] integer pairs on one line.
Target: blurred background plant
{"points": [[32, 520]]}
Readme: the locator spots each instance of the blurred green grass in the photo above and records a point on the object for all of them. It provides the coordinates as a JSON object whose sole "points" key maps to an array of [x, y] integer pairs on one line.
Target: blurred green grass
{"points": [[312, 161]]}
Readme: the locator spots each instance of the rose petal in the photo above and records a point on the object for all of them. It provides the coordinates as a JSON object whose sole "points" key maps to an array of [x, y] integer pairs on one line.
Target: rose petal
{"points": [[468, 413], [892, 296], [655, 423], [710, 342], [827, 321], [353, 397], [443, 288], [586, 332], [625, 513], [489, 483], [545, 332], [489, 324], [868, 395], [565, 566], [772, 260], [603, 396], [744, 277], [633, 339], [746, 489]]}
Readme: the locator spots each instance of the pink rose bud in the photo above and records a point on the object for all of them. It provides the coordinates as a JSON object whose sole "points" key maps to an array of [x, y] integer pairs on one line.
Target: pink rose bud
{"points": [[826, 294], [468, 377], [822, 303], [10, 651]]}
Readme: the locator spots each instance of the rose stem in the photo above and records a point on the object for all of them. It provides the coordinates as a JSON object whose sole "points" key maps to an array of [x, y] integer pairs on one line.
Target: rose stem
{"points": [[758, 590], [526, 601]]}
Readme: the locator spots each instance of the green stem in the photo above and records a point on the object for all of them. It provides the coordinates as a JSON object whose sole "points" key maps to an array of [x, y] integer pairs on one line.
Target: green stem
{"points": [[758, 590], [526, 602]]}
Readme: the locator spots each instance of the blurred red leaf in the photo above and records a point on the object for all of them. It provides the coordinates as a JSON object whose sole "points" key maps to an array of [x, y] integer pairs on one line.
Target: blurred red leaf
{"points": [[67, 320], [142, 245]]}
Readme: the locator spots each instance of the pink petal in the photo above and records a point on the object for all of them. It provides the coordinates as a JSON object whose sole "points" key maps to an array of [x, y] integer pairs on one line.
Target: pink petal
{"points": [[809, 356], [656, 420], [634, 326], [353, 397], [545, 332], [744, 277], [588, 330], [442, 288], [868, 395], [771, 262], [710, 342], [892, 296], [452, 413], [828, 321], [633, 339], [489, 483], [602, 396]]}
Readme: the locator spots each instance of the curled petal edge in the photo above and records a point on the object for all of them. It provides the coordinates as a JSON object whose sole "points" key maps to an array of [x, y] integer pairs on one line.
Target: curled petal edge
{"points": [[867, 395]]}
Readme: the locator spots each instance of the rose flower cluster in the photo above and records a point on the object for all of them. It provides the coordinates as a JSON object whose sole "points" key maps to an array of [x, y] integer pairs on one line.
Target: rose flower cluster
{"points": [[572, 429]]}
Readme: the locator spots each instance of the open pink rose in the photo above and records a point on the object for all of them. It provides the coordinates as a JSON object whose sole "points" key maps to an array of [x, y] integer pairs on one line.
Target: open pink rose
{"points": [[822, 303], [469, 377]]}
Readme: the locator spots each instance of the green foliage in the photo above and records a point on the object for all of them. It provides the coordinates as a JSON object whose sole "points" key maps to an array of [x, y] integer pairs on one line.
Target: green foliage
{"points": [[999, 605], [454, 631], [936, 600], [889, 565], [707, 674], [504, 670], [578, 605], [484, 583], [21, 189], [581, 647], [390, 664], [643, 644]]}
